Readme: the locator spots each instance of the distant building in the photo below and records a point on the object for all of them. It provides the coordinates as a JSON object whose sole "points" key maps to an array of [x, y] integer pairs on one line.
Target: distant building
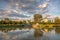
{"points": [[52, 20], [45, 20]]}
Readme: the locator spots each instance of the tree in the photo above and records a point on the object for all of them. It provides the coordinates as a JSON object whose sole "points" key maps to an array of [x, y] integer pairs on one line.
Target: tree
{"points": [[57, 20], [37, 18], [6, 20]]}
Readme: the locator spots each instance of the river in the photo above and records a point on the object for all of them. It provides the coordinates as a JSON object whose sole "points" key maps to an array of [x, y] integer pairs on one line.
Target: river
{"points": [[31, 34]]}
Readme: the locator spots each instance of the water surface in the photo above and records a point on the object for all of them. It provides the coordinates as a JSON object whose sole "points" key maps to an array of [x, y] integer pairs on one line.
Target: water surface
{"points": [[31, 34]]}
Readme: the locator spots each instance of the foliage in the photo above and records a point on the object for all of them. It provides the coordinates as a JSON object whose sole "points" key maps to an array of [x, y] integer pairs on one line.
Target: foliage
{"points": [[57, 20], [37, 18]]}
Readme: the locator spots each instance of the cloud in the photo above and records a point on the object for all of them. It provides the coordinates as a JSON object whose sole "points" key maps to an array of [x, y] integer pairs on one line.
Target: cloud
{"points": [[43, 8], [13, 14], [18, 15], [44, 5], [24, 8]]}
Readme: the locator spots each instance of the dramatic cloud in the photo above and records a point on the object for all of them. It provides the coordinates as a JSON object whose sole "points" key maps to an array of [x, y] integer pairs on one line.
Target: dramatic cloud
{"points": [[44, 5], [24, 8]]}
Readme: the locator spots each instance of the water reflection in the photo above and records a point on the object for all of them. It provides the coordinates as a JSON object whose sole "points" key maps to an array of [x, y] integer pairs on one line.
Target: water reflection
{"points": [[31, 34], [38, 33], [57, 30]]}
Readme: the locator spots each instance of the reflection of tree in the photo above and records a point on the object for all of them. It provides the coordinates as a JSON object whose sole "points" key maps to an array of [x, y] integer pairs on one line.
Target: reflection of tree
{"points": [[38, 33], [57, 30]]}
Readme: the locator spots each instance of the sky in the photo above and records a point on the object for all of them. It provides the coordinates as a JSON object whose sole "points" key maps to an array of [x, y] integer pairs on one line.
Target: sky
{"points": [[25, 9]]}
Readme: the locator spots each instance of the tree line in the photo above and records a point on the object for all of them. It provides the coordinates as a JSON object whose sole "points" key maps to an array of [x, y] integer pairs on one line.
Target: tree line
{"points": [[37, 19], [8, 21]]}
